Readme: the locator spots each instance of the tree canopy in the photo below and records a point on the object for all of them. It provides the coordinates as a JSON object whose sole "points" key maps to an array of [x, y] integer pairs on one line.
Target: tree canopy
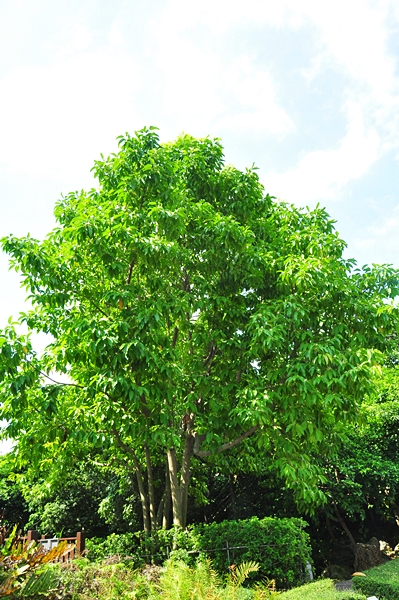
{"points": [[190, 312]]}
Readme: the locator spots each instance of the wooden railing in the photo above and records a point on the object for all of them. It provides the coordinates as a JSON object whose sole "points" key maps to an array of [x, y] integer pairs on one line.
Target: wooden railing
{"points": [[48, 543]]}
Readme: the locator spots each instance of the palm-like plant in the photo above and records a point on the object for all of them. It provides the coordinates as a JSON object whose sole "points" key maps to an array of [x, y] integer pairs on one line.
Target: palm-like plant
{"points": [[20, 564]]}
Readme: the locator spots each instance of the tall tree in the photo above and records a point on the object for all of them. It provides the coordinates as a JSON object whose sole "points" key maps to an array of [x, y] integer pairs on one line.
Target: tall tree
{"points": [[190, 312]]}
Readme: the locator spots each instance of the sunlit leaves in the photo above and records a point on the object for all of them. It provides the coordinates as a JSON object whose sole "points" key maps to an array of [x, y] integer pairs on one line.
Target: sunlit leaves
{"points": [[178, 287]]}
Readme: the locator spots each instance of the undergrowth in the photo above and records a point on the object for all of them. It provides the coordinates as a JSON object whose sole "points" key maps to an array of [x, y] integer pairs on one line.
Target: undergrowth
{"points": [[177, 580]]}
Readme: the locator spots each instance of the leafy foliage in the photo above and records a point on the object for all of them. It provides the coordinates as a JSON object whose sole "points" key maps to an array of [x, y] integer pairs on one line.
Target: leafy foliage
{"points": [[189, 311], [181, 581], [141, 547], [175, 581], [84, 581], [13, 505], [362, 477], [20, 564], [77, 497], [240, 573]]}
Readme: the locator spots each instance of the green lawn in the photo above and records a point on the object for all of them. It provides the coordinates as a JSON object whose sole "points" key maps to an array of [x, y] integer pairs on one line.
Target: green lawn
{"points": [[320, 590], [382, 581]]}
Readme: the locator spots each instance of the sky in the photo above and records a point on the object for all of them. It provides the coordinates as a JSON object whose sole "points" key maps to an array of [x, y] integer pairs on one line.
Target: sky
{"points": [[308, 91]]}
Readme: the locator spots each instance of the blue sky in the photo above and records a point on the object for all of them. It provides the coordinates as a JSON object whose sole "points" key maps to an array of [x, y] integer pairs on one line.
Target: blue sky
{"points": [[308, 91]]}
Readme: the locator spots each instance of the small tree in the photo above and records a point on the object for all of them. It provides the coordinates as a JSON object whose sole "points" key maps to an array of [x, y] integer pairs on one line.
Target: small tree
{"points": [[190, 312], [363, 479]]}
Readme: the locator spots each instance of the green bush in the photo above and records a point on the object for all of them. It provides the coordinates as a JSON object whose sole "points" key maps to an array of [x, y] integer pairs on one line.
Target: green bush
{"points": [[320, 590], [382, 581], [124, 544], [82, 580], [280, 546], [142, 547]]}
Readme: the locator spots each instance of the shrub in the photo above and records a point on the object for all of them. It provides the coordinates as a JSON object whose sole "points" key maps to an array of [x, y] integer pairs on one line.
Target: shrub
{"points": [[83, 580], [142, 547], [124, 544], [382, 581], [280, 546], [24, 567], [179, 581]]}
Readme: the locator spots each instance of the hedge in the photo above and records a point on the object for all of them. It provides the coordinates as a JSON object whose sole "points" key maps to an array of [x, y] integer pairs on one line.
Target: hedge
{"points": [[280, 546], [382, 581]]}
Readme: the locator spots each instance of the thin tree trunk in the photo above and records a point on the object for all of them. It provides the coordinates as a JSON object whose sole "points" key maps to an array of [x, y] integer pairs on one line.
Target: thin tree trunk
{"points": [[174, 488], [344, 526], [329, 529], [151, 493], [160, 510], [140, 482], [233, 499], [185, 476], [144, 502], [166, 506]]}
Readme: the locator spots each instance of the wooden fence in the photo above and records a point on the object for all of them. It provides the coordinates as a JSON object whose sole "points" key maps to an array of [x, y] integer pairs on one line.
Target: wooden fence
{"points": [[49, 543]]}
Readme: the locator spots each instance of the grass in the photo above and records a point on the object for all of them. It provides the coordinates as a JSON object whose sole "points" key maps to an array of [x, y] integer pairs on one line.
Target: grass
{"points": [[388, 570], [382, 581], [320, 590]]}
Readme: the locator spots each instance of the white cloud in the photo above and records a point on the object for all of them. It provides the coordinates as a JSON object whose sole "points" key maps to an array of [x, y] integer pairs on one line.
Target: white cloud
{"points": [[380, 241], [57, 118], [257, 108], [221, 15], [355, 34], [349, 40], [188, 90], [209, 89], [76, 37], [54, 119], [321, 174]]}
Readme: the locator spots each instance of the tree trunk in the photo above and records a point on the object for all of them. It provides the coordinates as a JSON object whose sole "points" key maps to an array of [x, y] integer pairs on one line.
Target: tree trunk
{"points": [[166, 506], [174, 488], [329, 529], [144, 502], [140, 482], [344, 526], [185, 476], [160, 510], [179, 489], [151, 493], [233, 499]]}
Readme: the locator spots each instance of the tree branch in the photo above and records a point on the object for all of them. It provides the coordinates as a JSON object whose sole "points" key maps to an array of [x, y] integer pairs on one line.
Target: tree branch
{"points": [[228, 445], [91, 301], [60, 382], [126, 448]]}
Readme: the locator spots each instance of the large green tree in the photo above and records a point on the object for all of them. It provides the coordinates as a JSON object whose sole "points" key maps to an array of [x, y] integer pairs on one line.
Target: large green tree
{"points": [[191, 312]]}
